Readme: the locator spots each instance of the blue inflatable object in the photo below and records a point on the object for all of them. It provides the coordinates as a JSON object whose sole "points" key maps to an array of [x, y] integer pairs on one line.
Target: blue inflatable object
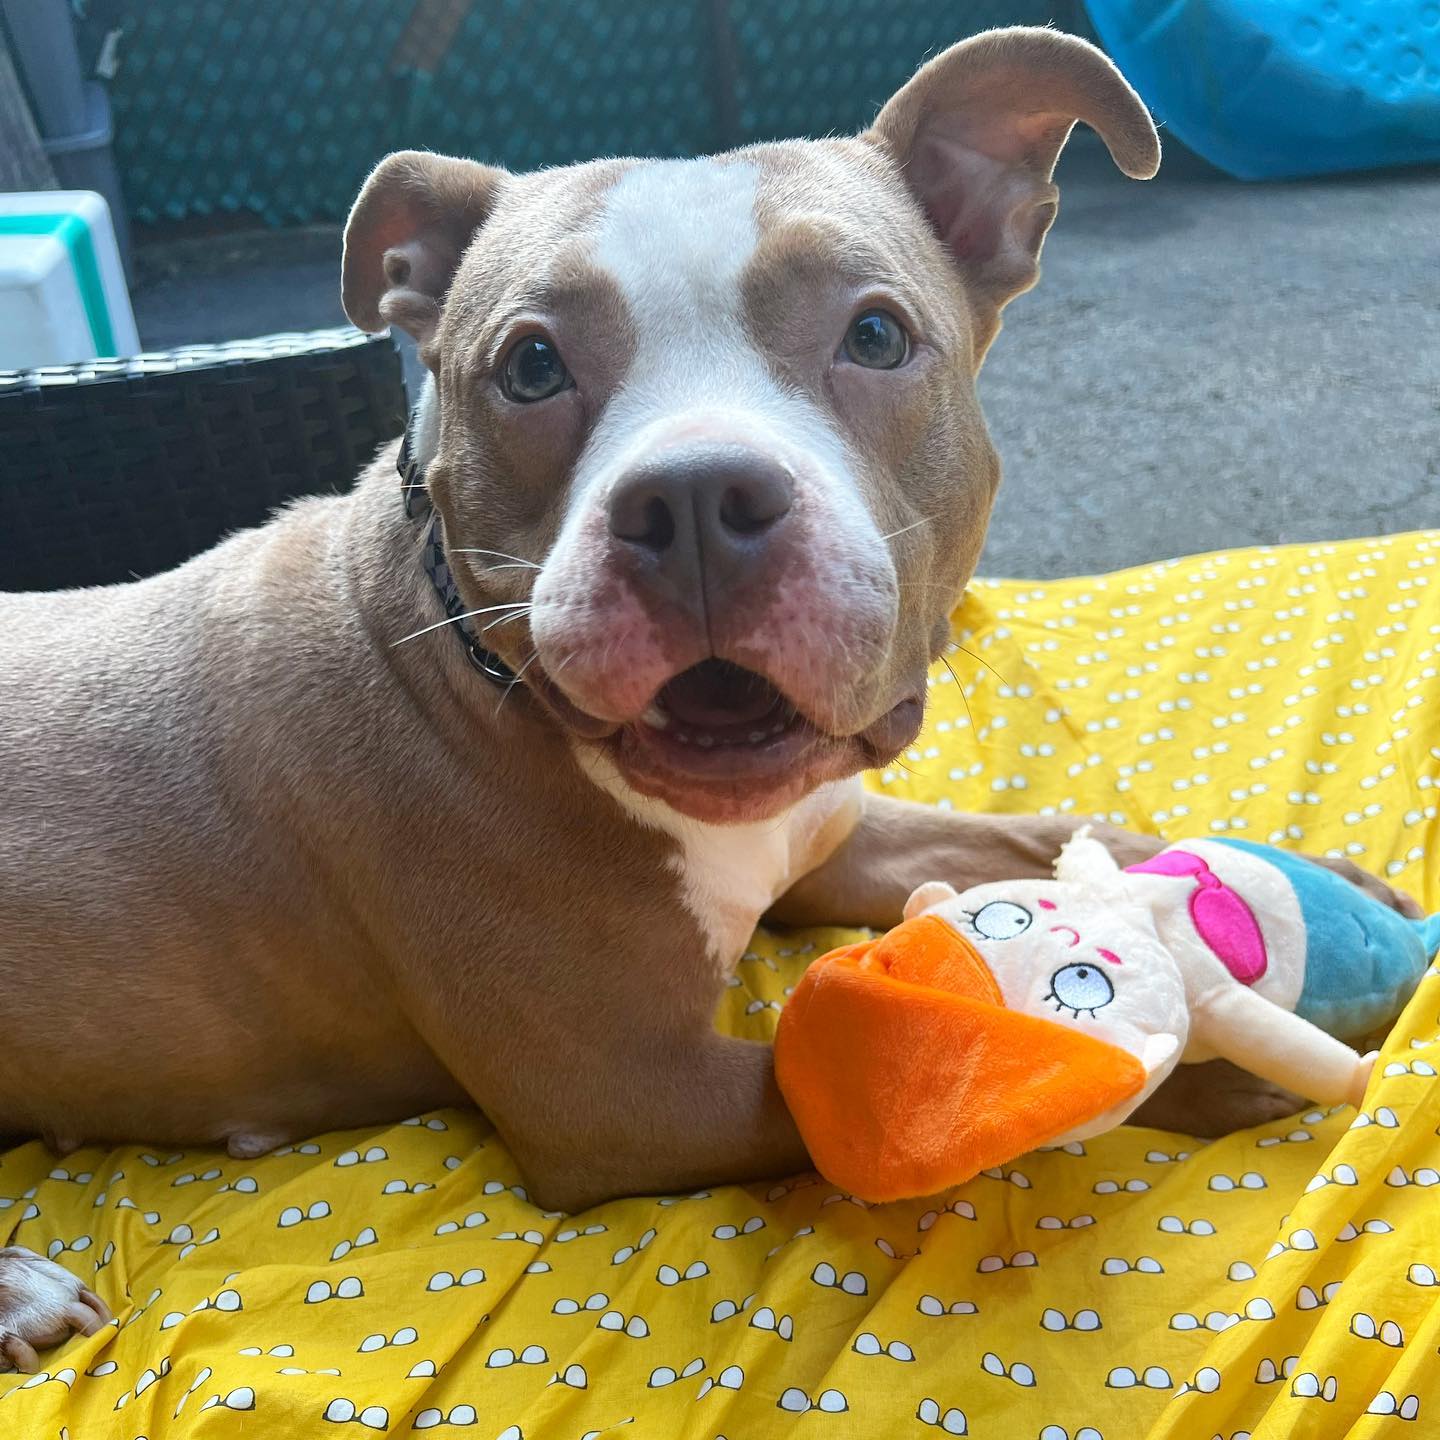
{"points": [[1271, 89]]}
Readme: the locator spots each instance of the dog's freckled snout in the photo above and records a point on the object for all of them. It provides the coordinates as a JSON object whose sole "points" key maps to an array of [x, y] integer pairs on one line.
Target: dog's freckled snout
{"points": [[699, 511]]}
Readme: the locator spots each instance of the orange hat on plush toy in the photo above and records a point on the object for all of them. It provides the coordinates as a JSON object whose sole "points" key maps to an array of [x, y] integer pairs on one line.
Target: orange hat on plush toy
{"points": [[907, 1073]]}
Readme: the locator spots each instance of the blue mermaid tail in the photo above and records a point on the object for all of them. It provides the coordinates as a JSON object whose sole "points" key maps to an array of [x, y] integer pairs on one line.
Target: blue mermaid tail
{"points": [[1362, 959]]}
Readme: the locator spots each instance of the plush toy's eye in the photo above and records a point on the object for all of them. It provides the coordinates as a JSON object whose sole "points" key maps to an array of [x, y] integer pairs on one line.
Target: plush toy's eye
{"points": [[1080, 987], [1001, 920]]}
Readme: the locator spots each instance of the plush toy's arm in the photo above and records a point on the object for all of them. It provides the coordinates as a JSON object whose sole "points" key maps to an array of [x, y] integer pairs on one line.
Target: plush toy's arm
{"points": [[1277, 1044]]}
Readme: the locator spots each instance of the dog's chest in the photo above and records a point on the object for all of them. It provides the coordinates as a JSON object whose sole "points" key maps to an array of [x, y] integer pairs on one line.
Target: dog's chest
{"points": [[730, 875]]}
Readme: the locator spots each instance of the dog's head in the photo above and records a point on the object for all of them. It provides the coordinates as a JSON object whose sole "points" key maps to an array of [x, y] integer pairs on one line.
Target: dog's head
{"points": [[709, 427]]}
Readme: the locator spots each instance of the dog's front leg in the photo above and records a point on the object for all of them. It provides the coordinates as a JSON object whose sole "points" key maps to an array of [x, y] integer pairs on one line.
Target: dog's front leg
{"points": [[655, 1114], [898, 844], [600, 1065]]}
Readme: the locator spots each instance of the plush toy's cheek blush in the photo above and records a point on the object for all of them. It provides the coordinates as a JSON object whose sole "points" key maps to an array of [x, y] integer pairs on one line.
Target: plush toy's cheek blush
{"points": [[1109, 955], [1046, 904]]}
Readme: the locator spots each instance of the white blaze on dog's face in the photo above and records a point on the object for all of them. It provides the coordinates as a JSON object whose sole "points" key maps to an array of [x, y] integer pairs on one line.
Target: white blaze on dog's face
{"points": [[717, 417]]}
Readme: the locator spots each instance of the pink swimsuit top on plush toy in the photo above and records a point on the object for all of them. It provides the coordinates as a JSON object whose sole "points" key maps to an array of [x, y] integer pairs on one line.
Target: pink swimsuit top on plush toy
{"points": [[1221, 917]]}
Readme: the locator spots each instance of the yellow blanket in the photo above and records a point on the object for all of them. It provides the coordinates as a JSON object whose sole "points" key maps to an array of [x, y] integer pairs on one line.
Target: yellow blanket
{"points": [[1278, 1282]]}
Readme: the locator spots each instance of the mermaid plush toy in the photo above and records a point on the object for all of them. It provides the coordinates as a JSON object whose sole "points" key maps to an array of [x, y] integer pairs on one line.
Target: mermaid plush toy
{"points": [[1037, 1012]]}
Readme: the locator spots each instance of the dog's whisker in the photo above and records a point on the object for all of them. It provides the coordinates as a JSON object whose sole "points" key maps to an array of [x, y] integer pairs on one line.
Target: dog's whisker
{"points": [[964, 698], [499, 554], [924, 585], [515, 680], [905, 529], [520, 614], [979, 660], [456, 619]]}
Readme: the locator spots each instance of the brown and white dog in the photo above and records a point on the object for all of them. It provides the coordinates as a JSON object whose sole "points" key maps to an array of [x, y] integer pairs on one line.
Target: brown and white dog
{"points": [[704, 441]]}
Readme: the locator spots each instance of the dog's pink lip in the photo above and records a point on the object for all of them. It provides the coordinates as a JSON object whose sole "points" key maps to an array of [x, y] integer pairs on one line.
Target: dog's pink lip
{"points": [[734, 782], [717, 725], [579, 722], [731, 784], [642, 747]]}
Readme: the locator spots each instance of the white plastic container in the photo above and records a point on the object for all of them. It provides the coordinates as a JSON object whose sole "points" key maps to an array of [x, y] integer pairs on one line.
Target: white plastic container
{"points": [[62, 290]]}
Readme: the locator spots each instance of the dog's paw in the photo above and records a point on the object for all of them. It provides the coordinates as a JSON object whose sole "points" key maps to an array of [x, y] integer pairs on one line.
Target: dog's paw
{"points": [[41, 1305], [1215, 1098]]}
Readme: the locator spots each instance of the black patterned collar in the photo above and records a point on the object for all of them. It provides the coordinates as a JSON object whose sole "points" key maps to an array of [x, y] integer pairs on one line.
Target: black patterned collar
{"points": [[419, 508]]}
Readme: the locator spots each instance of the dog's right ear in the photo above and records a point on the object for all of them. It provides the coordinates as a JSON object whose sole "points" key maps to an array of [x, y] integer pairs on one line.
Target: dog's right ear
{"points": [[412, 221]]}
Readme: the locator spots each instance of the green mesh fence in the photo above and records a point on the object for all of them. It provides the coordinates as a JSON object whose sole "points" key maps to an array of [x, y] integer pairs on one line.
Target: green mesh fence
{"points": [[820, 67], [531, 85], [281, 106]]}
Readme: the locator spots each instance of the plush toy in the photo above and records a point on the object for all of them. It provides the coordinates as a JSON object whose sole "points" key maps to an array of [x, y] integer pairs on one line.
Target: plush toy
{"points": [[1038, 1012]]}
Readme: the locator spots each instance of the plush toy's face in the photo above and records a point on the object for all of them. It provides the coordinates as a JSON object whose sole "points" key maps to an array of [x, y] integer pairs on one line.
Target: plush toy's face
{"points": [[1076, 954], [1006, 1017]]}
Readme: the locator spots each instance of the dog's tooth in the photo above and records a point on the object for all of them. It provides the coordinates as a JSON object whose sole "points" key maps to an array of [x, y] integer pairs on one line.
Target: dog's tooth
{"points": [[682, 737], [779, 725], [756, 736], [705, 741], [656, 718]]}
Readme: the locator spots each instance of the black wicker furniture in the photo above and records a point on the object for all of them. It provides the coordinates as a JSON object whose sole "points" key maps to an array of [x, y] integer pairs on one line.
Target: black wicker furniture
{"points": [[112, 470]]}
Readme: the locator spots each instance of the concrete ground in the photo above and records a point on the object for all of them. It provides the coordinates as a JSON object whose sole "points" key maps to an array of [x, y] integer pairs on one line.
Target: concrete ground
{"points": [[1205, 363]]}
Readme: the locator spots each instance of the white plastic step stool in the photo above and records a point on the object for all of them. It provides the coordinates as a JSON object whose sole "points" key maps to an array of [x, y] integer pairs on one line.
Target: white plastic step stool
{"points": [[62, 291]]}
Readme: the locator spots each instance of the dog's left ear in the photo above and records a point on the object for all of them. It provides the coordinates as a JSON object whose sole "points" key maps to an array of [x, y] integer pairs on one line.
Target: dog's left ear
{"points": [[977, 132]]}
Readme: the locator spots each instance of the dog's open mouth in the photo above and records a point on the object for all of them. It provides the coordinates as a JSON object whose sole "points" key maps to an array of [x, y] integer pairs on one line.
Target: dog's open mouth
{"points": [[717, 704], [722, 743], [720, 731]]}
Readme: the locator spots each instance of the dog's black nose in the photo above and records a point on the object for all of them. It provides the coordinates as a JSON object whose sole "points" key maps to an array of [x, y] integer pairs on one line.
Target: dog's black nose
{"points": [[701, 515]]}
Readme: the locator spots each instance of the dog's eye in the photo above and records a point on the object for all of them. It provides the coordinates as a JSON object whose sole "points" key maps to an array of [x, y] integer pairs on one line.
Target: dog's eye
{"points": [[533, 370], [877, 340]]}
